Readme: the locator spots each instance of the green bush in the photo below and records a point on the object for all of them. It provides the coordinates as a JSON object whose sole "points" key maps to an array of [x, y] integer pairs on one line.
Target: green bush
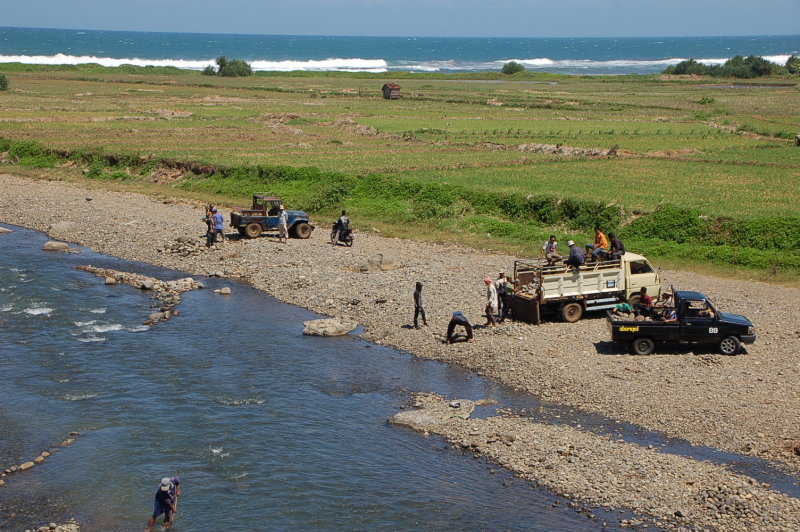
{"points": [[793, 65], [670, 223], [3, 83], [233, 68], [209, 71], [752, 66], [512, 67]]}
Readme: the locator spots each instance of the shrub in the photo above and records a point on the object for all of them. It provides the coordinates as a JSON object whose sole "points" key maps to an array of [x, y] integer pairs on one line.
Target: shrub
{"points": [[233, 68], [209, 71], [26, 148], [793, 65], [3, 83], [512, 67], [668, 222]]}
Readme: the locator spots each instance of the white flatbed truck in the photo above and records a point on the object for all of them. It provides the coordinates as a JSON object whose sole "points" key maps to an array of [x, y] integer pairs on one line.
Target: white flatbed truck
{"points": [[569, 292]]}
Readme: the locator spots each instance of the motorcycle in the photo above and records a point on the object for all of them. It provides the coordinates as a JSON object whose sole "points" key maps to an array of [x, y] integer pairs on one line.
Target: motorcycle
{"points": [[346, 237]]}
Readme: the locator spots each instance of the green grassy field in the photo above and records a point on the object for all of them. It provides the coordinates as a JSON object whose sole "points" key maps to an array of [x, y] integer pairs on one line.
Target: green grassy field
{"points": [[451, 160]]}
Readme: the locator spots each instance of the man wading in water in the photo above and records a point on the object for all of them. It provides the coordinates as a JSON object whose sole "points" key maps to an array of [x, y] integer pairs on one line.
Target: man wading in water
{"points": [[166, 501]]}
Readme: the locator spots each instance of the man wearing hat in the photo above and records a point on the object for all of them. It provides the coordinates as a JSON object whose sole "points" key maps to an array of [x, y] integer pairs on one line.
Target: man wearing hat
{"points": [[219, 225], [283, 225], [166, 501], [576, 257]]}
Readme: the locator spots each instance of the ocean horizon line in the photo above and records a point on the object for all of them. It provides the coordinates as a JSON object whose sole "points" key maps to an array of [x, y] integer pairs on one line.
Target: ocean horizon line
{"points": [[507, 37]]}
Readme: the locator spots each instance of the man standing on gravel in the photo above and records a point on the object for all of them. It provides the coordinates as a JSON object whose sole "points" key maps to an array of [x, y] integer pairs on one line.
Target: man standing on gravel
{"points": [[500, 286], [491, 302], [219, 225], [283, 225], [419, 309]]}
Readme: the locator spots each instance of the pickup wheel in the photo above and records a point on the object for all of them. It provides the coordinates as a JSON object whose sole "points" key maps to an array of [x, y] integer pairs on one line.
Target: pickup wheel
{"points": [[571, 312], [302, 230], [643, 346], [252, 230], [729, 345]]}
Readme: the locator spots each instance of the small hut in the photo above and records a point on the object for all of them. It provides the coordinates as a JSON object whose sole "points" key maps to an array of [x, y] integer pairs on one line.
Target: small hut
{"points": [[391, 91]]}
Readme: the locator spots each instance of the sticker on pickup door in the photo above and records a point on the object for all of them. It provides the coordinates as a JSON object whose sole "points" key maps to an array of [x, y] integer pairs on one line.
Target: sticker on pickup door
{"points": [[629, 329], [713, 330]]}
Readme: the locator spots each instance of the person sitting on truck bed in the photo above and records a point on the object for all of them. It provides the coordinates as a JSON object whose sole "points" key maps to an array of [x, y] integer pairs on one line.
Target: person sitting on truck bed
{"points": [[645, 305], [458, 319], [600, 244], [669, 315], [623, 308], [549, 251], [617, 247], [576, 257]]}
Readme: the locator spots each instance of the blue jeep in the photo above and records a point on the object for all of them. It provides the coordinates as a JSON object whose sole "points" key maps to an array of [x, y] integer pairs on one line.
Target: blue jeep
{"points": [[263, 217]]}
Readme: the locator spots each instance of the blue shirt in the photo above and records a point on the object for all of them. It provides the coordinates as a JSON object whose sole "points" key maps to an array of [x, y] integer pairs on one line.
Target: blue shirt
{"points": [[219, 221], [576, 256]]}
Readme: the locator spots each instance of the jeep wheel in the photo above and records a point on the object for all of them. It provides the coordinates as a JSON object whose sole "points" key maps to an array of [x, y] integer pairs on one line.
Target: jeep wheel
{"points": [[729, 345], [643, 346], [302, 230], [252, 230], [571, 312]]}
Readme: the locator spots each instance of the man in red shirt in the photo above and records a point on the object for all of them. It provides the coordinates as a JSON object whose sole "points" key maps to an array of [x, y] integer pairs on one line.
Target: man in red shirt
{"points": [[645, 304]]}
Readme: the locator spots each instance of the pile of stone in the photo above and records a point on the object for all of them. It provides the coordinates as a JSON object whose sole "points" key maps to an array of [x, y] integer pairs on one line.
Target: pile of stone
{"points": [[186, 246], [558, 149], [72, 526], [166, 292]]}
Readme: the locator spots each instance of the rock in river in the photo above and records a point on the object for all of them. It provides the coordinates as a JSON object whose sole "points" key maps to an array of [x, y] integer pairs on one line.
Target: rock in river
{"points": [[328, 327], [52, 245]]}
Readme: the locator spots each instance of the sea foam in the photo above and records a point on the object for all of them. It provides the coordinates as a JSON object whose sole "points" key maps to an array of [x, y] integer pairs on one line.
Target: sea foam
{"points": [[38, 311]]}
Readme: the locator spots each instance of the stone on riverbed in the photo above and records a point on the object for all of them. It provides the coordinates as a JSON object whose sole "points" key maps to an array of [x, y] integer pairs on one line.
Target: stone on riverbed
{"points": [[110, 280], [5, 230], [25, 466], [52, 245], [328, 327], [432, 412]]}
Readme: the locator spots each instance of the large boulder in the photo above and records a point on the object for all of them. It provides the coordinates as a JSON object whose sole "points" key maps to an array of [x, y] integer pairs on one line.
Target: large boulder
{"points": [[52, 245], [328, 327]]}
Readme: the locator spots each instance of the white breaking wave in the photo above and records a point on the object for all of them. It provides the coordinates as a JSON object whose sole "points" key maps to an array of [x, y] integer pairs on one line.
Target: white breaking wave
{"points": [[333, 64], [38, 311], [84, 323], [139, 328], [98, 310], [355, 64], [241, 402], [6, 308]]}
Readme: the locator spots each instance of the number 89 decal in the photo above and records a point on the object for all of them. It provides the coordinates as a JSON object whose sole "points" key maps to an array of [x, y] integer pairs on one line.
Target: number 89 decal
{"points": [[713, 330]]}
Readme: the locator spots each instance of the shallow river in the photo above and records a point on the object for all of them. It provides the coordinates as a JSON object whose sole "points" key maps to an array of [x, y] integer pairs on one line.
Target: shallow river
{"points": [[267, 428]]}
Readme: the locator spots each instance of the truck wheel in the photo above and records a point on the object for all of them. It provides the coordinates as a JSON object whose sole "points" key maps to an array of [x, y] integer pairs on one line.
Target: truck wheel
{"points": [[252, 230], [729, 345], [571, 312], [643, 346], [302, 230]]}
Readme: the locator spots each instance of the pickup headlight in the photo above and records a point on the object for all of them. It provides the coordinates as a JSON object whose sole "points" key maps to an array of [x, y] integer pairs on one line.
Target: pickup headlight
{"points": [[751, 330]]}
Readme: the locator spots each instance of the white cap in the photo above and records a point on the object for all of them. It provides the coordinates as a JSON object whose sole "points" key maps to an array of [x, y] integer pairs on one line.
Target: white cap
{"points": [[165, 483], [570, 243]]}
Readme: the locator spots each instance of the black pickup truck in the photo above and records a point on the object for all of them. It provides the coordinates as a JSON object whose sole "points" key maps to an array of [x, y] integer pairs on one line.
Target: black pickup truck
{"points": [[697, 321]]}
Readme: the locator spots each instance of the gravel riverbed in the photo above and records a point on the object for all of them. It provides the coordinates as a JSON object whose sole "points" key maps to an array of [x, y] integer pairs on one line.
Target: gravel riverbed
{"points": [[747, 404]]}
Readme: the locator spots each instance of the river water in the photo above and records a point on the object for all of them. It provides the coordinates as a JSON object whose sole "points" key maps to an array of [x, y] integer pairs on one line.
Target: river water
{"points": [[267, 428]]}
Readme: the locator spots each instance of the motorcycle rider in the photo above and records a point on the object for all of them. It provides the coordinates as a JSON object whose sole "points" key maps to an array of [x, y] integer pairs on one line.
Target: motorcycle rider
{"points": [[341, 225]]}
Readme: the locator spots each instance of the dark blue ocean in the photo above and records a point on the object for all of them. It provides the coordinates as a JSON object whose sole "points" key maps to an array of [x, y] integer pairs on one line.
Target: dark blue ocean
{"points": [[630, 55]]}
